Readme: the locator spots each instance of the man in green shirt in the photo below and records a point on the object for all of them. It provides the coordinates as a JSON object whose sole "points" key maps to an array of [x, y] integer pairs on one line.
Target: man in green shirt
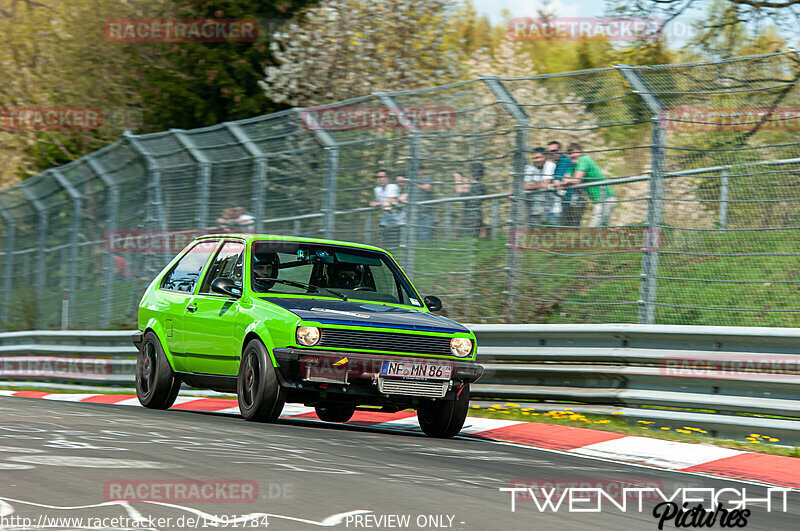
{"points": [[603, 197]]}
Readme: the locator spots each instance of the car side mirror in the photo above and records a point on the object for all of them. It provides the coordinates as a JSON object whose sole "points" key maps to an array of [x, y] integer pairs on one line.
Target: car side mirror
{"points": [[226, 286], [433, 303]]}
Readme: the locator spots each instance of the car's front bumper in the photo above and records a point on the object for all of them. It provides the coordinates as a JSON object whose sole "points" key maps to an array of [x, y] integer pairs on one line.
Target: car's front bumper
{"points": [[307, 373]]}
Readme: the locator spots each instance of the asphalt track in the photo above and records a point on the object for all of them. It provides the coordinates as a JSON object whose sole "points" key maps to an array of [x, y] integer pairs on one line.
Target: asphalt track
{"points": [[62, 460]]}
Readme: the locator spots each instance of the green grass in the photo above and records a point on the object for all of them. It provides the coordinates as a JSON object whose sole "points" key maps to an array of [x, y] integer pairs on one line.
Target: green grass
{"points": [[482, 295], [619, 424]]}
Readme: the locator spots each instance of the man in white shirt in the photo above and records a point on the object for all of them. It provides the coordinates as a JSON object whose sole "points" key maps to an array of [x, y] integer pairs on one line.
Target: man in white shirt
{"points": [[543, 206], [392, 216]]}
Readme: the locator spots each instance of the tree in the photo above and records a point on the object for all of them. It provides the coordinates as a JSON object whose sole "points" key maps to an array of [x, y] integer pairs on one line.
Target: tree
{"points": [[197, 84], [728, 25], [54, 54], [346, 48]]}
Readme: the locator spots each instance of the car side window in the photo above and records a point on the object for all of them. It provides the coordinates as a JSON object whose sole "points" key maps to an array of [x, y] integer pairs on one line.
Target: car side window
{"points": [[227, 264], [184, 275]]}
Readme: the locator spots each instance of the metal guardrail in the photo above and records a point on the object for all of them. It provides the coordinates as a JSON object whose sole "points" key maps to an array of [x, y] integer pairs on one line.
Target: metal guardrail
{"points": [[730, 381]]}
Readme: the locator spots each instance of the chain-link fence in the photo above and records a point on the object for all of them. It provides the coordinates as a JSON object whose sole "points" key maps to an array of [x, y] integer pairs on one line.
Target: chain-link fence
{"points": [[698, 223]]}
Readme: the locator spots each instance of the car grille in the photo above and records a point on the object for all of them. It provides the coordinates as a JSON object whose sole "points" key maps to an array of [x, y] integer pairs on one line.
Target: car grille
{"points": [[386, 341], [412, 388]]}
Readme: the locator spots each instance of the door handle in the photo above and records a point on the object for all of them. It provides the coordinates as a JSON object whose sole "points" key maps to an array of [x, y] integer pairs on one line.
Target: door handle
{"points": [[191, 308]]}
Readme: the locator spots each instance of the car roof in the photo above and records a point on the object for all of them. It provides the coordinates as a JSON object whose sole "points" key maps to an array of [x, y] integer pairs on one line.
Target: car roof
{"points": [[249, 237]]}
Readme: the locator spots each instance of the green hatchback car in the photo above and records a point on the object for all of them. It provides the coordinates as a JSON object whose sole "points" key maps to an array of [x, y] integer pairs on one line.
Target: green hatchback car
{"points": [[328, 324]]}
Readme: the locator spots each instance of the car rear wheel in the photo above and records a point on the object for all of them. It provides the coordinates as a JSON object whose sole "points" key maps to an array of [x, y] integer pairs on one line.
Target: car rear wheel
{"points": [[444, 418], [335, 412], [260, 396], [157, 385]]}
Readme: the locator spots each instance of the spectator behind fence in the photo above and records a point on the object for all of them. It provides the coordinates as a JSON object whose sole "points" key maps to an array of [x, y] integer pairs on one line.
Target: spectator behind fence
{"points": [[472, 214], [603, 198], [402, 183], [572, 204], [235, 218], [543, 207], [424, 220], [387, 197]]}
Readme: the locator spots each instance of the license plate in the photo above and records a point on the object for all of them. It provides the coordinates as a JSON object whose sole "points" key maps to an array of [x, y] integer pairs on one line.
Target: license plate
{"points": [[407, 369]]}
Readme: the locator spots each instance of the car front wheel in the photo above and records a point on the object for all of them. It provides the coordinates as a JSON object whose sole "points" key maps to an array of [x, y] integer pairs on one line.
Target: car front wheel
{"points": [[444, 418], [260, 396], [156, 385], [335, 412]]}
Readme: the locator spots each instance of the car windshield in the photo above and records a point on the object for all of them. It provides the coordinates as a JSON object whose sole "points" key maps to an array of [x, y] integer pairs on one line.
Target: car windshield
{"points": [[328, 270]]}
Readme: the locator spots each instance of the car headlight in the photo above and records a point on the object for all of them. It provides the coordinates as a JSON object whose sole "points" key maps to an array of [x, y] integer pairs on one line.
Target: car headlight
{"points": [[461, 347], [308, 336]]}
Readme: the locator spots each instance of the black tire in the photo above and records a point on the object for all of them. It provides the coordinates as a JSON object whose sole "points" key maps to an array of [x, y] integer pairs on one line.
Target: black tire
{"points": [[156, 383], [335, 412], [444, 418], [261, 398]]}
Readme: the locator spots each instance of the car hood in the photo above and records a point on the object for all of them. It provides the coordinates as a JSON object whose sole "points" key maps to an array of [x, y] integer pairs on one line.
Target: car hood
{"points": [[365, 314]]}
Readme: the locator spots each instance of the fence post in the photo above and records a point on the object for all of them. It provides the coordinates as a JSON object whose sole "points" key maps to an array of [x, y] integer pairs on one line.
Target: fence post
{"points": [[723, 201], [72, 281], [647, 296], [259, 172], [155, 204], [331, 169], [203, 178], [8, 267], [41, 242], [495, 218], [368, 227], [518, 210], [408, 234], [112, 210]]}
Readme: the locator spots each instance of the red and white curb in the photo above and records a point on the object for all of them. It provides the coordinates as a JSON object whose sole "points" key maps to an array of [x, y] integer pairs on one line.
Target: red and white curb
{"points": [[700, 458]]}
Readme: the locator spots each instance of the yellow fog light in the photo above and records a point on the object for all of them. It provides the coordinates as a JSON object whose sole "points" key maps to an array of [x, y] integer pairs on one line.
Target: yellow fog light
{"points": [[308, 336], [461, 347]]}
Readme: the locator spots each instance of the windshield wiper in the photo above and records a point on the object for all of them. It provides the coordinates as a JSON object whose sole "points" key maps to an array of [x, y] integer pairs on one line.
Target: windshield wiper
{"points": [[303, 285]]}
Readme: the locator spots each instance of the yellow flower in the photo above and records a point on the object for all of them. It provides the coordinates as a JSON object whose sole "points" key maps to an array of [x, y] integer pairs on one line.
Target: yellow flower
{"points": [[525, 413], [644, 427], [773, 439], [604, 421], [645, 422], [509, 404], [683, 431], [665, 428], [755, 435], [536, 414], [476, 407], [618, 413]]}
